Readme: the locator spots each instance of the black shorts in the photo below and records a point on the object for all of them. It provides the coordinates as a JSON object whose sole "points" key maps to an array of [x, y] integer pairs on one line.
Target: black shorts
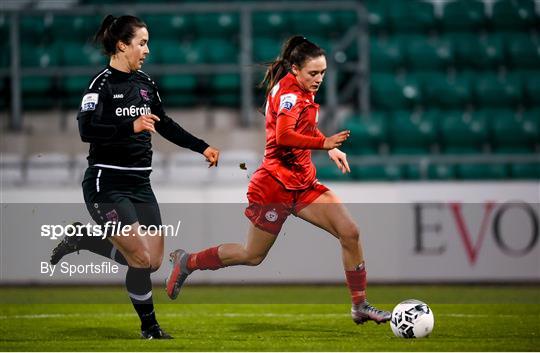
{"points": [[120, 196]]}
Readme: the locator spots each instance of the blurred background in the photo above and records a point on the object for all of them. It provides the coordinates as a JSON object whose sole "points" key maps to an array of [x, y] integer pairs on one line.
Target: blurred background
{"points": [[442, 98]]}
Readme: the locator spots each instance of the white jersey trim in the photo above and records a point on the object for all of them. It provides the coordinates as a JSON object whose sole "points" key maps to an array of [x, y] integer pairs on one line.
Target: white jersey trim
{"points": [[121, 168], [94, 81]]}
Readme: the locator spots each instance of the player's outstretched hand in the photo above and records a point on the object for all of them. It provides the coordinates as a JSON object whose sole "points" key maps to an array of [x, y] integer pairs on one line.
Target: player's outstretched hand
{"points": [[336, 140], [145, 123], [340, 158], [212, 156]]}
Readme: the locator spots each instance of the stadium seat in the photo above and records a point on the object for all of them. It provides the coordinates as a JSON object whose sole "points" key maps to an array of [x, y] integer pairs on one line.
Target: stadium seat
{"points": [[36, 92], [178, 90], [270, 24], [169, 26], [482, 171], [411, 16], [377, 15], [529, 171], [74, 28], [224, 25], [73, 88], [225, 90], [347, 20], [331, 172], [513, 14], [441, 171], [217, 51], [424, 53], [391, 92], [493, 90], [412, 132], [464, 132], [477, 51], [532, 87], [173, 52], [446, 91], [34, 29], [386, 54], [367, 133], [315, 23], [266, 49], [377, 172], [463, 15], [39, 56], [80, 54], [517, 132], [523, 50]]}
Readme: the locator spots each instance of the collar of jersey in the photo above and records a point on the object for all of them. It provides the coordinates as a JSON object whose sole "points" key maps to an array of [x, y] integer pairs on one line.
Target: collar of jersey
{"points": [[119, 74]]}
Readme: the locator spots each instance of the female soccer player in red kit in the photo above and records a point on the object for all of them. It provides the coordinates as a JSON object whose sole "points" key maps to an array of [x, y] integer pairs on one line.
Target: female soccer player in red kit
{"points": [[286, 181]]}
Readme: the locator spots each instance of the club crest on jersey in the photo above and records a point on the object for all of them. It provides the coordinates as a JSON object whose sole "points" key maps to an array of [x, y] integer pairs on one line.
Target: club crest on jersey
{"points": [[112, 216], [89, 102], [287, 101], [144, 95], [271, 216]]}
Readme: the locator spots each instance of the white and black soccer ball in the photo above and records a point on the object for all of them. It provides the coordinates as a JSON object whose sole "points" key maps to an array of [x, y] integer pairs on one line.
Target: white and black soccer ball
{"points": [[412, 319]]}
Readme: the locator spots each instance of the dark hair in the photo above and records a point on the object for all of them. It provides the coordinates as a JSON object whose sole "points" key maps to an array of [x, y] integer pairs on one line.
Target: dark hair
{"points": [[295, 51], [114, 29]]}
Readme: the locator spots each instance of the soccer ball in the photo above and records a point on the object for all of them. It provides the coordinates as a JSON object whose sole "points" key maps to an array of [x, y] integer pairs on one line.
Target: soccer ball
{"points": [[412, 319]]}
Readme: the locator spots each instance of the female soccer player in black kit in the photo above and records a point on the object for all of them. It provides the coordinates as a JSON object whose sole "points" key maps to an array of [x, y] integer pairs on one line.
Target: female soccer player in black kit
{"points": [[119, 110]]}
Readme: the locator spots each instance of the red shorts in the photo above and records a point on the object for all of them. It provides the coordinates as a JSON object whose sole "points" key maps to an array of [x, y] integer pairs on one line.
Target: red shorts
{"points": [[270, 203]]}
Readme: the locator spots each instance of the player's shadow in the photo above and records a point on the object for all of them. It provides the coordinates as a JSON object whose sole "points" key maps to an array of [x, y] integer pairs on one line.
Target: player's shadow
{"points": [[89, 333]]}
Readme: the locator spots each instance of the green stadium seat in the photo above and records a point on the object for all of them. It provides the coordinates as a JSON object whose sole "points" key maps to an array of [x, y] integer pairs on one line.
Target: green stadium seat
{"points": [[463, 15], [74, 28], [377, 172], [386, 54], [226, 90], [482, 171], [463, 133], [441, 171], [331, 172], [39, 56], [412, 172], [530, 171], [424, 53], [523, 50], [518, 132], [377, 16], [446, 91], [36, 92], [225, 25], [34, 28], [266, 49], [532, 87], [173, 52], [474, 51], [367, 133], [270, 24], [80, 54], [169, 26], [217, 51], [178, 90], [412, 133], [73, 88], [493, 90], [411, 16], [315, 23], [513, 14], [391, 92]]}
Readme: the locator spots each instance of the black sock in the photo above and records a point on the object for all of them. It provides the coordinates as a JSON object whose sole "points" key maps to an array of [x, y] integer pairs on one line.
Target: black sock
{"points": [[139, 287], [102, 247]]}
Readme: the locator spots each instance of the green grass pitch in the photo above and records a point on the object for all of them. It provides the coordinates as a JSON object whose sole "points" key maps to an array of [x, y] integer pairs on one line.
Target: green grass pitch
{"points": [[267, 318]]}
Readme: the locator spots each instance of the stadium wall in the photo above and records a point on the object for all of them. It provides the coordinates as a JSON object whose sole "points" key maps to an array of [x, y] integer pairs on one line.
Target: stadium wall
{"points": [[417, 232]]}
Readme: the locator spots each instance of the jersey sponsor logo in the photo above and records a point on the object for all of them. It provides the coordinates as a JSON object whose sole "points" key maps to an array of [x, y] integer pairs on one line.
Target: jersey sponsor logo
{"points": [[271, 216], [118, 96], [112, 216], [133, 111], [287, 101], [89, 102], [144, 94]]}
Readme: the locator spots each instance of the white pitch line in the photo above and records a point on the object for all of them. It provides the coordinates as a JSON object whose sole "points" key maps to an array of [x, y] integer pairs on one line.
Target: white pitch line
{"points": [[232, 315]]}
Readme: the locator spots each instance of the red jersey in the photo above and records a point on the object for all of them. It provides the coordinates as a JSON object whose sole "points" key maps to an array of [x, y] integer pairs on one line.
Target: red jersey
{"points": [[291, 163]]}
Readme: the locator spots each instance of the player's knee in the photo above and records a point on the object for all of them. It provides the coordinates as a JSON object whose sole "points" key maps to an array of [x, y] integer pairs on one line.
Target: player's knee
{"points": [[140, 258], [155, 263], [349, 235]]}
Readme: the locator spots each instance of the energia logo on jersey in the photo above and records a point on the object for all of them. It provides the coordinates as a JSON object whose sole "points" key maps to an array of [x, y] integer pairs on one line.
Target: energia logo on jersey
{"points": [[133, 111]]}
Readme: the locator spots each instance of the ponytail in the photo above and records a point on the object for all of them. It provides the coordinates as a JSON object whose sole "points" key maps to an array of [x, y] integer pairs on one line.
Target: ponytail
{"points": [[114, 29], [295, 51]]}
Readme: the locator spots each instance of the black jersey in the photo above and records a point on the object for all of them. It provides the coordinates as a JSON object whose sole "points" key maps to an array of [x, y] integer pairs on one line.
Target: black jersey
{"points": [[113, 100]]}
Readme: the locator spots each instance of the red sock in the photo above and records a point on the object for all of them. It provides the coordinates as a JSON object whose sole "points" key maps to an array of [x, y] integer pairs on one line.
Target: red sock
{"points": [[356, 280], [207, 259]]}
